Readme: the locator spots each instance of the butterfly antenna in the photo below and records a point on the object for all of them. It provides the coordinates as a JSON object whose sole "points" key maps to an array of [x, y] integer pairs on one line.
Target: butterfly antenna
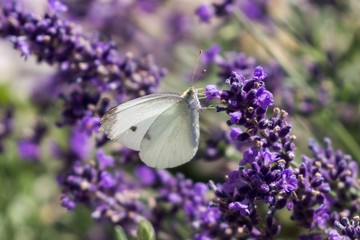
{"points": [[196, 66]]}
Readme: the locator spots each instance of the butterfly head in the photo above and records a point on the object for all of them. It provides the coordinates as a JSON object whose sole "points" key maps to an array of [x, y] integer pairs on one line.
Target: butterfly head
{"points": [[191, 97]]}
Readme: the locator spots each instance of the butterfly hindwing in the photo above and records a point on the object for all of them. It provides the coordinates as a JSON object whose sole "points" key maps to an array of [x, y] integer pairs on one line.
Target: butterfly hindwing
{"points": [[173, 137]]}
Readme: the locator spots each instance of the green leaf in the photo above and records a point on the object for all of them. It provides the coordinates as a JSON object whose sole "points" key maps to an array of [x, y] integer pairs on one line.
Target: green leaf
{"points": [[120, 233], [145, 231]]}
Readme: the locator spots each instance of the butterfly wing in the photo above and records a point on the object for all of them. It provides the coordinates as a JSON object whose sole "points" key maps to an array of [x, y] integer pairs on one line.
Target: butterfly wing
{"points": [[173, 138], [127, 123]]}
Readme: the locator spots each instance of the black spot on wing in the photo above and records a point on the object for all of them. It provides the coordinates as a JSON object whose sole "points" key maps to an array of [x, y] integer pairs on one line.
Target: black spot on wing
{"points": [[147, 136], [133, 128]]}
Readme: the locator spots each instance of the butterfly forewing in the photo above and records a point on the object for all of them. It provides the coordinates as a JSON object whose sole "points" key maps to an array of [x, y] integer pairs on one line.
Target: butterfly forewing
{"points": [[173, 137], [128, 122]]}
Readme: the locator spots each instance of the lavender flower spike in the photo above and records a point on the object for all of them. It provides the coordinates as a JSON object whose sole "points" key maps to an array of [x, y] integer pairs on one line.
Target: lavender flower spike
{"points": [[264, 174], [327, 192]]}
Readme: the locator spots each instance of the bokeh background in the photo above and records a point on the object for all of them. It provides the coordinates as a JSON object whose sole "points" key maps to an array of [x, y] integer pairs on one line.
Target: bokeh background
{"points": [[310, 49]]}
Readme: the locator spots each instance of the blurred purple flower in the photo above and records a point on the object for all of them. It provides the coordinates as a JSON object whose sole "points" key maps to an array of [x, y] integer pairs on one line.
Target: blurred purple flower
{"points": [[80, 143], [29, 150], [255, 10], [29, 146], [205, 13], [234, 133], [146, 175], [212, 54], [90, 124], [67, 202], [21, 45], [57, 6], [149, 6], [105, 161], [106, 180]]}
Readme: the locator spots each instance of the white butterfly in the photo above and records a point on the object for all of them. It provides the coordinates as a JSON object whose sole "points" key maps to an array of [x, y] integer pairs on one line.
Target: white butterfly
{"points": [[164, 127]]}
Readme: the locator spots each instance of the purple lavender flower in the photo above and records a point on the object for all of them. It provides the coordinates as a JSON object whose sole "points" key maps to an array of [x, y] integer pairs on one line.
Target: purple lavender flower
{"points": [[57, 6], [177, 27], [288, 181], [211, 55], [264, 174], [334, 235], [80, 143], [260, 73], [29, 150], [211, 92], [29, 146], [242, 208], [184, 194], [111, 196], [146, 175], [114, 196], [234, 133], [84, 63], [327, 188], [249, 156], [105, 161], [21, 45], [205, 13], [350, 229], [243, 65], [149, 6], [255, 10], [235, 117]]}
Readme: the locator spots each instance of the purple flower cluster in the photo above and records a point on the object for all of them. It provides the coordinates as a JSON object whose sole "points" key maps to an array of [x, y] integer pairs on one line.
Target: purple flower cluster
{"points": [[264, 173], [255, 10], [247, 103], [327, 190], [179, 194], [288, 97], [115, 196], [110, 195], [90, 66], [242, 64]]}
